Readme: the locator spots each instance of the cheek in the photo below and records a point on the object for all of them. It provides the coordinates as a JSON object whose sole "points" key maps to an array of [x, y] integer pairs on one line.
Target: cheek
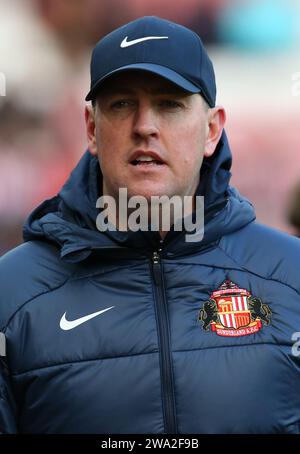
{"points": [[110, 144], [111, 137], [190, 146], [103, 138], [106, 145]]}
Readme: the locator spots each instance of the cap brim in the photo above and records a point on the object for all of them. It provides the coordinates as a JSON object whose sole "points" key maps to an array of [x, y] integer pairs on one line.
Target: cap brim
{"points": [[162, 71]]}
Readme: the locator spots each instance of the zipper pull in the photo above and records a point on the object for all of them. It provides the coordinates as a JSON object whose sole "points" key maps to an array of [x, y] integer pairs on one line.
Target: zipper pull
{"points": [[155, 258], [156, 267]]}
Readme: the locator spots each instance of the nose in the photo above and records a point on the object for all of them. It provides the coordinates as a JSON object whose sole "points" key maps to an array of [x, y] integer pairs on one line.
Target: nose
{"points": [[145, 123]]}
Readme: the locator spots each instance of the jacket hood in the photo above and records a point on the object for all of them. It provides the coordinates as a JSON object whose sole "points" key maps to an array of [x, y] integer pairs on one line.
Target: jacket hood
{"points": [[69, 219]]}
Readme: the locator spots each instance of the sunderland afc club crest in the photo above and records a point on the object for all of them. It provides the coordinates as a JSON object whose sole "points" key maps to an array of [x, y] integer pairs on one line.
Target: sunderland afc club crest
{"points": [[233, 311]]}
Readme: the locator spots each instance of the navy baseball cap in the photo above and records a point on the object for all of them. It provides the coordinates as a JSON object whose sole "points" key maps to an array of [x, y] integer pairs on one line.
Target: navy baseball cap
{"points": [[157, 46]]}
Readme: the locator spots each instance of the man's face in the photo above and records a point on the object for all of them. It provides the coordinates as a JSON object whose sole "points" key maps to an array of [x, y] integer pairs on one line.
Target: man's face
{"points": [[150, 136]]}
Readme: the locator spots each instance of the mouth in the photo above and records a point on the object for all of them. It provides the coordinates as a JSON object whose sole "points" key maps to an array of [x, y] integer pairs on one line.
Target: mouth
{"points": [[147, 163], [146, 159]]}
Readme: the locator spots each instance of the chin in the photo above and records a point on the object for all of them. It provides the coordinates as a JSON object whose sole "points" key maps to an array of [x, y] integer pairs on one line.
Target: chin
{"points": [[148, 191], [147, 195]]}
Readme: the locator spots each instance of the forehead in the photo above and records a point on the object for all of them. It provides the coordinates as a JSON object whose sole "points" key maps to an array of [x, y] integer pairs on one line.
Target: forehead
{"points": [[139, 80]]}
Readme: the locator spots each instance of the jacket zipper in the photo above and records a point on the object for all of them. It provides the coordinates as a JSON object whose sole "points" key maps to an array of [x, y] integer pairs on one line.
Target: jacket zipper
{"points": [[164, 340]]}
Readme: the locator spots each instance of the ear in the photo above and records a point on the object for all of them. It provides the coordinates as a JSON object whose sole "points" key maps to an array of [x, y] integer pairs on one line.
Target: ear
{"points": [[216, 121], [90, 114]]}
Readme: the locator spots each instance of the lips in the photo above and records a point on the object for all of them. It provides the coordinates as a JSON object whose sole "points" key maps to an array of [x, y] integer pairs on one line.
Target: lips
{"points": [[146, 158]]}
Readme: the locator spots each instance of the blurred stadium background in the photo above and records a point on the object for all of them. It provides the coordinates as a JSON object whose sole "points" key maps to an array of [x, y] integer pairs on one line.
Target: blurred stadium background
{"points": [[45, 50]]}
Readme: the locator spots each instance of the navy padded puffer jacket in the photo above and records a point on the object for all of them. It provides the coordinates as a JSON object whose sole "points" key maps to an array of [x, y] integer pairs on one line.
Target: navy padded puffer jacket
{"points": [[119, 333]]}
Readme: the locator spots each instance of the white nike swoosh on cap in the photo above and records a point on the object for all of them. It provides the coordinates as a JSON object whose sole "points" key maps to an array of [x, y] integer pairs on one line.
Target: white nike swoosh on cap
{"points": [[70, 324], [126, 43]]}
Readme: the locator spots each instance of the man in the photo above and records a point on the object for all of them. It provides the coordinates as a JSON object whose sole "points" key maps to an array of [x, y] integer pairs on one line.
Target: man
{"points": [[138, 330]]}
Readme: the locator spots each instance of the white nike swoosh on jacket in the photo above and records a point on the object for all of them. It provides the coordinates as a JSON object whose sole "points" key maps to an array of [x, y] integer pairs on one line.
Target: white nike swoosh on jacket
{"points": [[70, 324]]}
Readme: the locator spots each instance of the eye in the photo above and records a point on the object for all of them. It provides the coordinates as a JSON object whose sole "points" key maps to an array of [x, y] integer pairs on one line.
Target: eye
{"points": [[121, 104], [170, 104]]}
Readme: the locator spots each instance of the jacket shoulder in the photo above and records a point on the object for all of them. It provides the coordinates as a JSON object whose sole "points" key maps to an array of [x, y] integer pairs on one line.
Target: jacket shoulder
{"points": [[267, 252], [31, 269]]}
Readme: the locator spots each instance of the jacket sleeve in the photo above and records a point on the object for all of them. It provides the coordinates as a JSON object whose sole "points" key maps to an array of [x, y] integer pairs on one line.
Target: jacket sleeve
{"points": [[8, 424]]}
